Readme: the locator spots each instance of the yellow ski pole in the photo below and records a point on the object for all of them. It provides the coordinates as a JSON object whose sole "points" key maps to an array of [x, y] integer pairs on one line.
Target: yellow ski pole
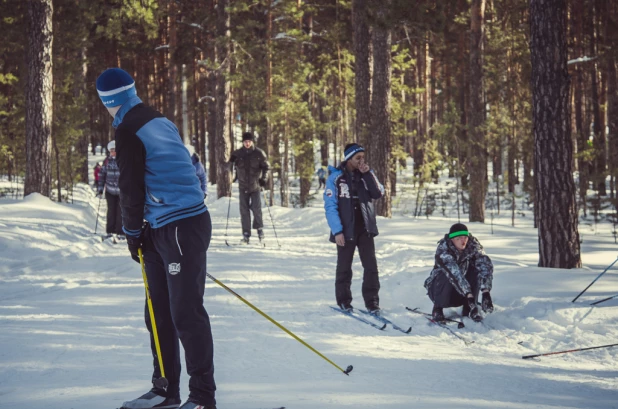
{"points": [[161, 382], [347, 370]]}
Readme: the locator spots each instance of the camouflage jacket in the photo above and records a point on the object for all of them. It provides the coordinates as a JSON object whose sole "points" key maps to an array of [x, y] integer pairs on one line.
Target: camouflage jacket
{"points": [[455, 264]]}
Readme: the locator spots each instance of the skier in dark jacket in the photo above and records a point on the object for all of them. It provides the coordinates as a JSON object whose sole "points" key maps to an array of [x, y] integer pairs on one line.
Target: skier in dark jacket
{"points": [[158, 183], [251, 171], [462, 269], [200, 172], [108, 183], [348, 201]]}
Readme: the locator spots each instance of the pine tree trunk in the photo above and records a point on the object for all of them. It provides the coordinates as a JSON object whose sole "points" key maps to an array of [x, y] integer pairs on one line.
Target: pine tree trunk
{"points": [[39, 104], [477, 146], [223, 143], [612, 91], [555, 188], [380, 151], [362, 77]]}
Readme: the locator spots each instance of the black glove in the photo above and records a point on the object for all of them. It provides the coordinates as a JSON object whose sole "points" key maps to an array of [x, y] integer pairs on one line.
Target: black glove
{"points": [[486, 304], [134, 244], [262, 182], [474, 310], [205, 196]]}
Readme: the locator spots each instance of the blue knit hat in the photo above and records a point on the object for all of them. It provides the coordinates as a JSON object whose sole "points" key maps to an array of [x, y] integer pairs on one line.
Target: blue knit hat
{"points": [[351, 150], [115, 86]]}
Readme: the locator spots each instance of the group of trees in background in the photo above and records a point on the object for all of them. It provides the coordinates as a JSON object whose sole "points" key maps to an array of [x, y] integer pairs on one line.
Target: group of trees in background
{"points": [[527, 87]]}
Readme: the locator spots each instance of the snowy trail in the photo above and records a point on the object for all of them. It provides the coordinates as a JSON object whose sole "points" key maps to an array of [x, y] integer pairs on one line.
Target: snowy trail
{"points": [[71, 314]]}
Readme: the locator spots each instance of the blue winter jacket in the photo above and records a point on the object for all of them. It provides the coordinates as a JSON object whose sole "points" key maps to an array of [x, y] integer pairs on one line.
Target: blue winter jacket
{"points": [[157, 179], [200, 172], [339, 206], [108, 176]]}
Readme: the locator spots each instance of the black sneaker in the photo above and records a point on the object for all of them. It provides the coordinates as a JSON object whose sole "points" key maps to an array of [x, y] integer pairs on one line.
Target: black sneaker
{"points": [[346, 306], [437, 314], [245, 238], [260, 233], [152, 400]]}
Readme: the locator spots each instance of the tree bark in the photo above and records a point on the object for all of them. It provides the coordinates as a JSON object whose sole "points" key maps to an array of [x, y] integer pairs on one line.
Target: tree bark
{"points": [[477, 145], [555, 188], [39, 104], [222, 136], [612, 91], [380, 151], [362, 77]]}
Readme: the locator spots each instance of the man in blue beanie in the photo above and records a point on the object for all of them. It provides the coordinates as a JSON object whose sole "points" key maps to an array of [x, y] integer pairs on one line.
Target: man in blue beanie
{"points": [[350, 191], [158, 183]]}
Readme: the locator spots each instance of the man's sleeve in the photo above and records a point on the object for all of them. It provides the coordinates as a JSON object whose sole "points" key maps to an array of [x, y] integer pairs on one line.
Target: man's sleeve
{"points": [[373, 185], [102, 177], [484, 266], [131, 157], [331, 206], [264, 165]]}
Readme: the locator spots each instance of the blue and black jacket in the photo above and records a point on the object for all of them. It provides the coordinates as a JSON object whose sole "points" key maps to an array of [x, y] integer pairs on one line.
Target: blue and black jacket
{"points": [[157, 179], [339, 204]]}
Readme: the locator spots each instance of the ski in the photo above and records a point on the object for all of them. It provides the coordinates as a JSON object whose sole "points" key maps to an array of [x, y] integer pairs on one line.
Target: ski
{"points": [[359, 318], [460, 324], [385, 320], [446, 327]]}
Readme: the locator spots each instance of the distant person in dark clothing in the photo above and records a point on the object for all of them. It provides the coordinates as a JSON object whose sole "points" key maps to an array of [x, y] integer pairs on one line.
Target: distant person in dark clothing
{"points": [[97, 169], [251, 171], [108, 183], [350, 191], [462, 269], [321, 177]]}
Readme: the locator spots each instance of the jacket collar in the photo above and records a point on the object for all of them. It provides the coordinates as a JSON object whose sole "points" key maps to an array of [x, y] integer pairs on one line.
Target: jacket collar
{"points": [[126, 107]]}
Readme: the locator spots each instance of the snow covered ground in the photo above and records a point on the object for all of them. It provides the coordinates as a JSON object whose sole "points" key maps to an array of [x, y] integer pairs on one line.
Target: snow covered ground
{"points": [[72, 332]]}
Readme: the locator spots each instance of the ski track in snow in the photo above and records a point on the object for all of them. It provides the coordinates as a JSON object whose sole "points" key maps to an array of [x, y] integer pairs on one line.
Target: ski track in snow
{"points": [[71, 314]]}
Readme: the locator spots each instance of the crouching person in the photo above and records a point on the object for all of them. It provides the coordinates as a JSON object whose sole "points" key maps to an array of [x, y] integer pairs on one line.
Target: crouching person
{"points": [[461, 270]]}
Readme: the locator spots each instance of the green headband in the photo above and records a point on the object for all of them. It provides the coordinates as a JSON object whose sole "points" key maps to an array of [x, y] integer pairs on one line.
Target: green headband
{"points": [[458, 233]]}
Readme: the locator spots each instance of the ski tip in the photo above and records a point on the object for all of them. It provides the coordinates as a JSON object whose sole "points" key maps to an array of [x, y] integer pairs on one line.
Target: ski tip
{"points": [[409, 330], [383, 327], [348, 370]]}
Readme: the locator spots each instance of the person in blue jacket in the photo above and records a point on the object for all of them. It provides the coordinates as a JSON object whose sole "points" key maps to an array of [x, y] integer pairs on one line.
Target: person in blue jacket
{"points": [[350, 191], [158, 183]]}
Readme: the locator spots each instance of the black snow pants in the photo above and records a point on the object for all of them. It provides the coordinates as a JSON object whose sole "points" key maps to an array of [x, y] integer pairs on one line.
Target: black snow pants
{"points": [[250, 201], [114, 216], [371, 281], [444, 295], [175, 260]]}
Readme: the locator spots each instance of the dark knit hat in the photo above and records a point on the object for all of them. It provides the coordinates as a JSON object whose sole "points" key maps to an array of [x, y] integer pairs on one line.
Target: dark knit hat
{"points": [[352, 149], [115, 86], [458, 229], [248, 136]]}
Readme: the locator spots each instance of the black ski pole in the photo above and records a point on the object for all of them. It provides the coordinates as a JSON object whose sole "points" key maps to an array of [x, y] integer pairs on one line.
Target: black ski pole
{"points": [[271, 217], [604, 299], [593, 281], [96, 224], [228, 218], [287, 331], [566, 352]]}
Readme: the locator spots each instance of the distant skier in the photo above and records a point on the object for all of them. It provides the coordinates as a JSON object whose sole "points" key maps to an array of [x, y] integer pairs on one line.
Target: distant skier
{"points": [[200, 172], [96, 171], [321, 177], [252, 168], [158, 183], [350, 191], [462, 269], [108, 182]]}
